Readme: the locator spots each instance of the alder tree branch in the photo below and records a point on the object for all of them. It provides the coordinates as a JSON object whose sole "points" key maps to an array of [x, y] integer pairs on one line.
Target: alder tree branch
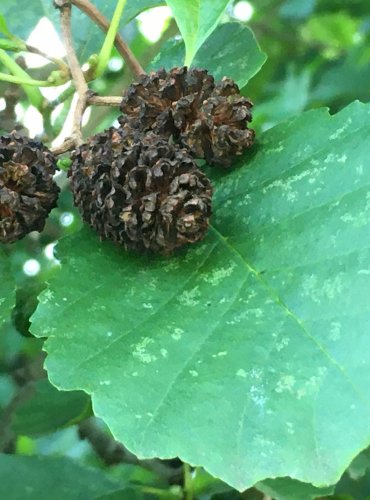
{"points": [[59, 62], [67, 145], [76, 72], [124, 81], [97, 17], [92, 100], [104, 100], [112, 452], [24, 394], [79, 79]]}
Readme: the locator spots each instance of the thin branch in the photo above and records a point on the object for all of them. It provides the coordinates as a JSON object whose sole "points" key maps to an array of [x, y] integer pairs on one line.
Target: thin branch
{"points": [[104, 100], [124, 80], [24, 394], [76, 72], [95, 15], [94, 100], [112, 452], [59, 62], [67, 145]]}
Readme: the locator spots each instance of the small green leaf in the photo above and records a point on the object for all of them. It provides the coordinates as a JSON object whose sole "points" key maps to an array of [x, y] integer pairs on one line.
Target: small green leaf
{"points": [[64, 163], [296, 9], [4, 28], [7, 288], [239, 61], [13, 45], [127, 494], [48, 410], [353, 489], [43, 478], [18, 73], [360, 465], [135, 7], [333, 31], [196, 21]]}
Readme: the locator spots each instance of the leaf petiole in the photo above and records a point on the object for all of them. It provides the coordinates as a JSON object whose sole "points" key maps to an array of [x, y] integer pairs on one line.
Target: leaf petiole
{"points": [[28, 82], [20, 77], [106, 49]]}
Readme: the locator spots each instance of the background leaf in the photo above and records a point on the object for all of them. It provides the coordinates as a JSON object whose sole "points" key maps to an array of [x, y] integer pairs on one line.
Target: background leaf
{"points": [[87, 37], [205, 354], [135, 7], [239, 61], [4, 27], [48, 410], [42, 478], [196, 21], [285, 488], [7, 288], [15, 23]]}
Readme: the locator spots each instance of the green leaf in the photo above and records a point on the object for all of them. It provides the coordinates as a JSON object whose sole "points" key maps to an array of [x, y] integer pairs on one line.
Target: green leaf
{"points": [[124, 494], [135, 7], [21, 26], [346, 79], [13, 45], [7, 288], [88, 39], [290, 97], [249, 354], [42, 478], [4, 27], [351, 489], [196, 21], [48, 410], [296, 9], [239, 61], [335, 31], [360, 465], [285, 488]]}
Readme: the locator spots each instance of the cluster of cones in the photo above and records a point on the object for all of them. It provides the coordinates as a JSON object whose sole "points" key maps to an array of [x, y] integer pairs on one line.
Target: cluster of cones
{"points": [[138, 184]]}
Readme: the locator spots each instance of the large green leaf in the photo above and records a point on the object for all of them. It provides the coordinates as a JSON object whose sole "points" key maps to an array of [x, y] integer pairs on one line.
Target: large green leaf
{"points": [[248, 354], [43, 478], [7, 288], [239, 61], [196, 20]]}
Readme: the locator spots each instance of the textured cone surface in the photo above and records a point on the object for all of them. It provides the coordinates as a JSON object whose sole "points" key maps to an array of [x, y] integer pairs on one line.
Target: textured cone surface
{"points": [[140, 191], [27, 189], [208, 118]]}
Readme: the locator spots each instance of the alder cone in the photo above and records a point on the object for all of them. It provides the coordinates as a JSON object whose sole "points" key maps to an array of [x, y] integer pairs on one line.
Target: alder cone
{"points": [[27, 189], [140, 191], [209, 118]]}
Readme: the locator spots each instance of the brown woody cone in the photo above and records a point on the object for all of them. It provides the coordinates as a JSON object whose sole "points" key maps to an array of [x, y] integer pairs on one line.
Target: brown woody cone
{"points": [[27, 189], [209, 118], [139, 191]]}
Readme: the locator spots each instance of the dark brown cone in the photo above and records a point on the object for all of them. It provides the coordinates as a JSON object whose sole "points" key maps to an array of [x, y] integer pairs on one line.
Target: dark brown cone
{"points": [[139, 191], [27, 189], [209, 119]]}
